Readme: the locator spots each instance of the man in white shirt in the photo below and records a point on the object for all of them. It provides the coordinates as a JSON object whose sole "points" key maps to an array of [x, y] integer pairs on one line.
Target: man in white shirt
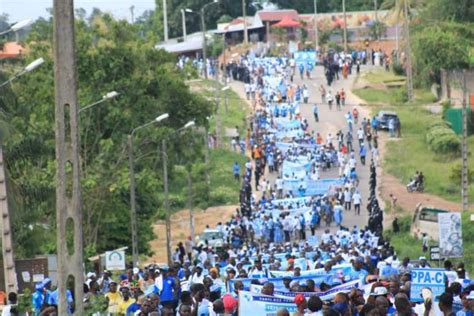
{"points": [[357, 200]]}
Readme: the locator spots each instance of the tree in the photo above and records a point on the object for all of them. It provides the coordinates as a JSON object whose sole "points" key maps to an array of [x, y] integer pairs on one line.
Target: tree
{"points": [[109, 57]]}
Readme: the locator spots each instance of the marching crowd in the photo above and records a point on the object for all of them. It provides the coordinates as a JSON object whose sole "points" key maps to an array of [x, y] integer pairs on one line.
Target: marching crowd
{"points": [[288, 249]]}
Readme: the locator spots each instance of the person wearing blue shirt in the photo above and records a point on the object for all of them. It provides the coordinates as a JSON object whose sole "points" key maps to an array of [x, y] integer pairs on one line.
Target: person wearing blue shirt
{"points": [[54, 299], [169, 293], [38, 299], [388, 270], [357, 272], [236, 171]]}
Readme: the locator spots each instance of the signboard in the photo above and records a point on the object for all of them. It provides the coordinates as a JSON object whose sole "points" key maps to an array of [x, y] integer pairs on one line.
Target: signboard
{"points": [[115, 260], [426, 278], [434, 253], [264, 305], [450, 235]]}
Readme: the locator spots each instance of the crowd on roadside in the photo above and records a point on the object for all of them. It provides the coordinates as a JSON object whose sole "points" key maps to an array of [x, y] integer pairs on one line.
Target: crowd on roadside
{"points": [[288, 250]]}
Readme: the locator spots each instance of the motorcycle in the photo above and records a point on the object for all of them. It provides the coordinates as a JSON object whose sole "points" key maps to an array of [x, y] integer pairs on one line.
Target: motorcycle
{"points": [[414, 186]]}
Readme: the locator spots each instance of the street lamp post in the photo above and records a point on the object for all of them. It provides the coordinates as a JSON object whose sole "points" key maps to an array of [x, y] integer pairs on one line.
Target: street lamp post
{"points": [[32, 66], [315, 19], [244, 13], [183, 18], [108, 96], [17, 26], [11, 283], [345, 24], [133, 212], [166, 190], [204, 43]]}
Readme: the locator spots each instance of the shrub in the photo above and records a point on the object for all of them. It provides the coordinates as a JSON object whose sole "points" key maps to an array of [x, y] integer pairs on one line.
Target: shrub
{"points": [[441, 139], [404, 223], [398, 69], [401, 95], [456, 174]]}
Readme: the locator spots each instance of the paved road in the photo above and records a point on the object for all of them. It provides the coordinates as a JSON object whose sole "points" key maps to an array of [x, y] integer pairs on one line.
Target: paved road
{"points": [[331, 121]]}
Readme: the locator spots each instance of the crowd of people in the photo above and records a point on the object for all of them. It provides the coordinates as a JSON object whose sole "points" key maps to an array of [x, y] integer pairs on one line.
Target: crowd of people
{"points": [[289, 243]]}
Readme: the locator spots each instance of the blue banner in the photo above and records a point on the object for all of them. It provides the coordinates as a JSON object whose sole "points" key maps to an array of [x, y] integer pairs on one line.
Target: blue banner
{"points": [[303, 57], [278, 282], [432, 279]]}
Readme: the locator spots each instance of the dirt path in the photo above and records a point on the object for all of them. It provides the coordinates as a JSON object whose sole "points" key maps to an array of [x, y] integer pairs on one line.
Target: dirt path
{"points": [[180, 228]]}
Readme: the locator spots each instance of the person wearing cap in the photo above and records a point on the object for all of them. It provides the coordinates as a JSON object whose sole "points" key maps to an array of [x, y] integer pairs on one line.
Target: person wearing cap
{"points": [[467, 304], [301, 305], [388, 270], [104, 281], [114, 298], [38, 298], [423, 263]]}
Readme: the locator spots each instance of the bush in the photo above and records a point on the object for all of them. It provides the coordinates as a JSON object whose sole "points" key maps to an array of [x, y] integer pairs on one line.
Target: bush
{"points": [[223, 195], [456, 174], [401, 95], [441, 139], [398, 69]]}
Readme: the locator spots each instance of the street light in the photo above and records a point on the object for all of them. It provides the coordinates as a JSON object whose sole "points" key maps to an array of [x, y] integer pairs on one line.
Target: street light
{"points": [[133, 211], [165, 180], [30, 67], [18, 26], [108, 96], [203, 29]]}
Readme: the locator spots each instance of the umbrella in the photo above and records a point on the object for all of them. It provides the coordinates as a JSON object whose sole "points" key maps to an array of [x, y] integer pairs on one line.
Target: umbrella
{"points": [[287, 22]]}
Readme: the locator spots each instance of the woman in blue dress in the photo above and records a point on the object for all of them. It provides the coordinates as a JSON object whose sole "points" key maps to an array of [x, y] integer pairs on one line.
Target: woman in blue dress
{"points": [[278, 232]]}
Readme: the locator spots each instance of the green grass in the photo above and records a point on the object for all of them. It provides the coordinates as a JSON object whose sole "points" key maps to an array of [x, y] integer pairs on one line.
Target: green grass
{"points": [[403, 157], [381, 76]]}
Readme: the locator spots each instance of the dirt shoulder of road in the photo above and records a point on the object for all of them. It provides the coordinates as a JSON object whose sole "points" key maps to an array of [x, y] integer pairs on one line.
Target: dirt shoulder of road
{"points": [[389, 184], [180, 228]]}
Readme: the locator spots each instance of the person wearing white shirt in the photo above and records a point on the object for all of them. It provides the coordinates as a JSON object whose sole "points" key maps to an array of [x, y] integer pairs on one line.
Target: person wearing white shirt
{"points": [[315, 306], [357, 200]]}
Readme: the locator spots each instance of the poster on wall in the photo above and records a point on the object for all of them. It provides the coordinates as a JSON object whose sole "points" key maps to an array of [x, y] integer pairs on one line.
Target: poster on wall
{"points": [[450, 235]]}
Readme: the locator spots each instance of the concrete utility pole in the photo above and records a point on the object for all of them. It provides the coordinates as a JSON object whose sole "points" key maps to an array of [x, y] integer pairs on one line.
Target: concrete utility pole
{"points": [[218, 112], [204, 43], [345, 25], [68, 208], [133, 207], [165, 19], [464, 173], [244, 14], [190, 202], [408, 52], [167, 204], [315, 20], [132, 8], [183, 17], [11, 284]]}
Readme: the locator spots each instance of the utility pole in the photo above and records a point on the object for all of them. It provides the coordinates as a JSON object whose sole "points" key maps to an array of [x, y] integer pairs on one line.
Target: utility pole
{"points": [[204, 44], [9, 270], [165, 19], [190, 202], [133, 211], [376, 19], [183, 17], [68, 199], [132, 8], [167, 204], [345, 24], [218, 112], [408, 52], [464, 173], [244, 13], [206, 155], [315, 19]]}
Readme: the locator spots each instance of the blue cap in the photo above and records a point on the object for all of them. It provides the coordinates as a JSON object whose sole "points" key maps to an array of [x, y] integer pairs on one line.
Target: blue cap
{"points": [[46, 282], [39, 286]]}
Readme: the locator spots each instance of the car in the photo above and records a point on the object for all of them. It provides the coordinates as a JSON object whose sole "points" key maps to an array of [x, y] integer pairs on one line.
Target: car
{"points": [[214, 238], [384, 117]]}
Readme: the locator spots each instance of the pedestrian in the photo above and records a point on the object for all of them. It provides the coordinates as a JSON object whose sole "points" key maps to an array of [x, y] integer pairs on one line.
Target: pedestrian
{"points": [[316, 112], [355, 115], [360, 136], [356, 198], [362, 154], [322, 91], [391, 127], [343, 97], [329, 99], [338, 100], [347, 199], [236, 171], [305, 94], [425, 242]]}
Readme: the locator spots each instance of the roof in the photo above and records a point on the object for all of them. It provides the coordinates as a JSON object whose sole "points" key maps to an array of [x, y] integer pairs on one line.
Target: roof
{"points": [[277, 15], [11, 49], [287, 22], [192, 43]]}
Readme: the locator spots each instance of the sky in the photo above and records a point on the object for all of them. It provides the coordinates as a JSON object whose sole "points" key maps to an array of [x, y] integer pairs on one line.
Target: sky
{"points": [[32, 9]]}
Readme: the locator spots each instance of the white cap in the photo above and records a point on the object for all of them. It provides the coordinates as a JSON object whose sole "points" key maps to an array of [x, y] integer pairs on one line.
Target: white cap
{"points": [[470, 296], [90, 275], [380, 290], [136, 270], [388, 260], [422, 258]]}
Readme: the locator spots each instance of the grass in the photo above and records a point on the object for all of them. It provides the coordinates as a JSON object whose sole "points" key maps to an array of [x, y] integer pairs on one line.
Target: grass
{"points": [[381, 76], [223, 188], [411, 153]]}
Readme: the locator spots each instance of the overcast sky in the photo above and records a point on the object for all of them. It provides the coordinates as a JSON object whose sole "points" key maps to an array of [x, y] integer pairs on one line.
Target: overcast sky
{"points": [[32, 9]]}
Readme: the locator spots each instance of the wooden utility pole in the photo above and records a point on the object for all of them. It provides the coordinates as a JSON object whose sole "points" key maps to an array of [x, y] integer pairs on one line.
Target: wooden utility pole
{"points": [[315, 21], [68, 186], [464, 173], [11, 284], [244, 13]]}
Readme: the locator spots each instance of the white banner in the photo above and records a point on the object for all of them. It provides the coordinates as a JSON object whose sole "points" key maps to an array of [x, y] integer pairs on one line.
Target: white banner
{"points": [[263, 305], [450, 235]]}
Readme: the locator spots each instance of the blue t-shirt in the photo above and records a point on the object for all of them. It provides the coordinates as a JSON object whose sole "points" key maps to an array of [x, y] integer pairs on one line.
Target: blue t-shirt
{"points": [[167, 291]]}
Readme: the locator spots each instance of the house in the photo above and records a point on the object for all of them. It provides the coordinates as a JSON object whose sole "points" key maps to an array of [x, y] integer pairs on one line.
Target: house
{"points": [[11, 50]]}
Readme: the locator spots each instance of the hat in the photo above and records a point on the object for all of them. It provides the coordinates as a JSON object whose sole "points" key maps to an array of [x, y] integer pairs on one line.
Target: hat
{"points": [[299, 298], [136, 270], [39, 286], [379, 290], [230, 303], [90, 275], [422, 258], [470, 296], [46, 282]]}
